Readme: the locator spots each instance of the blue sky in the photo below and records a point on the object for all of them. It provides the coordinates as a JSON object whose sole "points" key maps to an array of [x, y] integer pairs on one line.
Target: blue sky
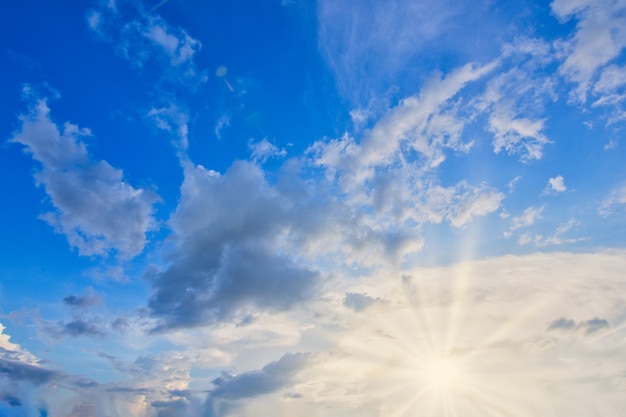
{"points": [[312, 208]]}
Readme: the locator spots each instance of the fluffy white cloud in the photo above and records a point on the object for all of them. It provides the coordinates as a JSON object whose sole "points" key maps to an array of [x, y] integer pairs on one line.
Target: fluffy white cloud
{"points": [[555, 185], [93, 206]]}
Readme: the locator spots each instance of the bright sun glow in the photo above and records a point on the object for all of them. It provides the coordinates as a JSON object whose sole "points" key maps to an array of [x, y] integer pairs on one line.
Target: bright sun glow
{"points": [[443, 355], [443, 373]]}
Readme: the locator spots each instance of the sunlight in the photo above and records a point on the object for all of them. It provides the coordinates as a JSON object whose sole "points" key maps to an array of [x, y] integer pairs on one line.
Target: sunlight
{"points": [[443, 373]]}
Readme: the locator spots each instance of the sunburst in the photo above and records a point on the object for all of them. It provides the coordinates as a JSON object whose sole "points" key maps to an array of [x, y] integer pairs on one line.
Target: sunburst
{"points": [[442, 355]]}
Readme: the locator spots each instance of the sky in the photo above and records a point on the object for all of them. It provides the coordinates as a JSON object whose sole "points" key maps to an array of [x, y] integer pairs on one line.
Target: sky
{"points": [[347, 208]]}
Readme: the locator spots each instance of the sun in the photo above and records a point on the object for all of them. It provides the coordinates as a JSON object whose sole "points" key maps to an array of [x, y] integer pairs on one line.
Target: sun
{"points": [[440, 356], [442, 373]]}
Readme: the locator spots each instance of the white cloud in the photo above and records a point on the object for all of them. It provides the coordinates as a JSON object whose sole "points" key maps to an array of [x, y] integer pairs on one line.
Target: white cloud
{"points": [[93, 206], [600, 38], [515, 100], [146, 40], [616, 200], [14, 352], [527, 218], [172, 119], [222, 123], [555, 185], [177, 45], [263, 150]]}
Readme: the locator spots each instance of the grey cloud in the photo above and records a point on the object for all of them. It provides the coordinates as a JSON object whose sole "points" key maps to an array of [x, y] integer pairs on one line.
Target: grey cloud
{"points": [[93, 206], [10, 399], [230, 259], [83, 410], [19, 371], [359, 302], [88, 300], [562, 324], [79, 327], [120, 324], [271, 377], [588, 326], [594, 325]]}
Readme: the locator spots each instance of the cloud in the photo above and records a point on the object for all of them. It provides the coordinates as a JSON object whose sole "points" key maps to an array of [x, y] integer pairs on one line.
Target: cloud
{"points": [[148, 42], [231, 254], [600, 37], [263, 150], [89, 300], [555, 185], [616, 200], [588, 327], [172, 119], [527, 218], [370, 45], [271, 377], [359, 302], [222, 123], [516, 98], [80, 327], [19, 371], [93, 206]]}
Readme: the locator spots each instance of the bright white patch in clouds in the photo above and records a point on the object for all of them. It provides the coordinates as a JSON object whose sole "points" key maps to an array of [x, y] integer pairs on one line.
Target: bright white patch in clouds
{"points": [[93, 207]]}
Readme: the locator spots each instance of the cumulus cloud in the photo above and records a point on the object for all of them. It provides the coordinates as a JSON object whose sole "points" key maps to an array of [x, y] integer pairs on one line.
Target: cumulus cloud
{"points": [[93, 206], [230, 258], [555, 185]]}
